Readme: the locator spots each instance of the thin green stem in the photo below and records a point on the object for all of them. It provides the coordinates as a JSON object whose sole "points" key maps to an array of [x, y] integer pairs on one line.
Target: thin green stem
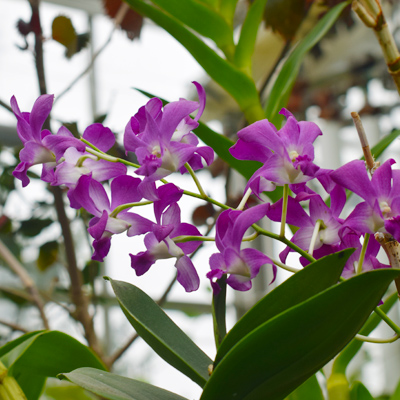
{"points": [[385, 318], [284, 266], [285, 241], [284, 209], [376, 340], [98, 153], [362, 254], [314, 237], [122, 207], [250, 237], [206, 198], [184, 238], [196, 181]]}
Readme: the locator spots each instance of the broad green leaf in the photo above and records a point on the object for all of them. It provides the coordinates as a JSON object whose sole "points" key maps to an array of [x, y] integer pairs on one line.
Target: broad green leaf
{"points": [[359, 392], [45, 354], [115, 387], [32, 227], [240, 86], [347, 354], [306, 283], [310, 389], [161, 333], [274, 359], [203, 20], [248, 34], [283, 85]]}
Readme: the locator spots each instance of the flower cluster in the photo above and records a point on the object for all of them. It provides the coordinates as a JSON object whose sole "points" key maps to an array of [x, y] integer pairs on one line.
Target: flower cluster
{"points": [[162, 140]]}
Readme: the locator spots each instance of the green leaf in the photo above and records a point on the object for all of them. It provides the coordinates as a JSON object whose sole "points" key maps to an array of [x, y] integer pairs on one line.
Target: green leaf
{"points": [[227, 8], [240, 86], [48, 255], [32, 227], [203, 20], [306, 283], [347, 354], [396, 393], [16, 342], [277, 357], [115, 387], [248, 34], [359, 392], [67, 392], [384, 143], [310, 389], [45, 354], [283, 85], [161, 333]]}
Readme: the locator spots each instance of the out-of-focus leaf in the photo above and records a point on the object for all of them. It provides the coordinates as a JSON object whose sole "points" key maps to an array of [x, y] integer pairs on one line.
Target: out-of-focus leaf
{"points": [[226, 9], [32, 227], [384, 143], [310, 389], [115, 387], [245, 47], [161, 333], [359, 392], [131, 23], [396, 393], [283, 84], [240, 86], [48, 254], [298, 341], [67, 392], [285, 16], [63, 32], [90, 272], [203, 20]]}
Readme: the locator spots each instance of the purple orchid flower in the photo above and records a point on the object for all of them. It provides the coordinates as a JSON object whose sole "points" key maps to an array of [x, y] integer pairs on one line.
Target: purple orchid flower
{"points": [[287, 154], [160, 242], [94, 199], [370, 261], [329, 234], [77, 162], [35, 151], [163, 142], [380, 212], [241, 265]]}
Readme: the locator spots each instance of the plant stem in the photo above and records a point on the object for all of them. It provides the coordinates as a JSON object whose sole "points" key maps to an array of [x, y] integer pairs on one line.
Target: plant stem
{"points": [[370, 12], [376, 340], [196, 181], [284, 209], [244, 199], [362, 254], [219, 311]]}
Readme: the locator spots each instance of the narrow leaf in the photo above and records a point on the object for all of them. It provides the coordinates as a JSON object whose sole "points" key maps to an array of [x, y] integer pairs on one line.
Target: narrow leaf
{"points": [[359, 392], [384, 143], [306, 283], [236, 83], [248, 34], [277, 357], [203, 20], [282, 87], [161, 333], [115, 387]]}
